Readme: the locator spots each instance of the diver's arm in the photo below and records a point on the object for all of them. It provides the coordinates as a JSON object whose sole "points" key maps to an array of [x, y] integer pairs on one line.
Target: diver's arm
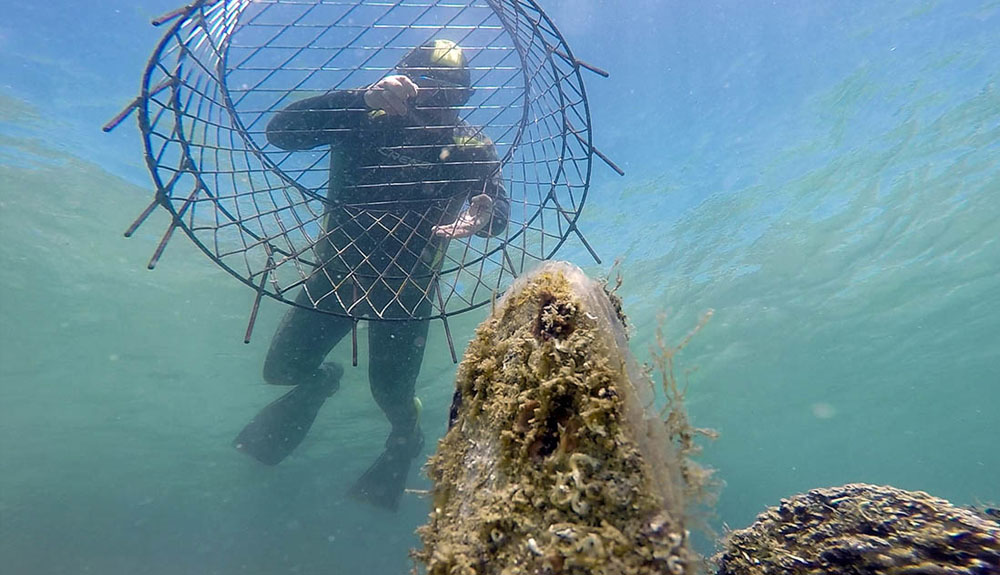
{"points": [[489, 210], [486, 216], [487, 163], [391, 94], [315, 121], [501, 204]]}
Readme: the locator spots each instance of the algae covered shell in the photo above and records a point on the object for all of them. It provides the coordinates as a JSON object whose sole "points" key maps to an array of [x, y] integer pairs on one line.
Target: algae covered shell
{"points": [[552, 463]]}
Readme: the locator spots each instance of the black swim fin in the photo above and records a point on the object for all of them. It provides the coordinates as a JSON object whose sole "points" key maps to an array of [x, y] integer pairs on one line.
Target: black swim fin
{"points": [[282, 425], [382, 485]]}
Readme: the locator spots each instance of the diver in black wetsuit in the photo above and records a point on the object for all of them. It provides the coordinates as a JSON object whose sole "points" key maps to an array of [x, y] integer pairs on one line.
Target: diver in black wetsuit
{"points": [[406, 176]]}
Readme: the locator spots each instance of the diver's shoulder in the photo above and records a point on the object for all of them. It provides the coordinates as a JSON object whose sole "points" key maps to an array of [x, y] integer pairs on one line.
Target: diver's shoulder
{"points": [[471, 137]]}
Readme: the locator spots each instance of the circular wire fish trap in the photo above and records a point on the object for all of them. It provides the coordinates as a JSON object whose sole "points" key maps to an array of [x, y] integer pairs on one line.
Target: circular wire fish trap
{"points": [[363, 245]]}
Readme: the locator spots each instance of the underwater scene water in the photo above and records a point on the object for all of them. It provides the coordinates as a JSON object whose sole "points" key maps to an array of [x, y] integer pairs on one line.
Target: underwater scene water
{"points": [[822, 175]]}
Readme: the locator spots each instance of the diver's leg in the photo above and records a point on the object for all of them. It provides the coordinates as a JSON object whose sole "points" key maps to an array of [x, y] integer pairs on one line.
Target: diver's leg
{"points": [[396, 350], [300, 344]]}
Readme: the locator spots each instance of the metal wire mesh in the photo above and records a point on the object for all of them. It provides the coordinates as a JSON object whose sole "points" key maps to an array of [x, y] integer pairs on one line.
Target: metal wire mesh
{"points": [[265, 214]]}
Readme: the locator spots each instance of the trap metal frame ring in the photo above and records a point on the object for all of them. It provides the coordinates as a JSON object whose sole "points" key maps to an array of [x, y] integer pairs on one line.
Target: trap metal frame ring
{"points": [[224, 68]]}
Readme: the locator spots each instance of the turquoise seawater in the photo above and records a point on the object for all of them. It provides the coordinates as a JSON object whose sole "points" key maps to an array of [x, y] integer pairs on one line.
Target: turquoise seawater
{"points": [[824, 176]]}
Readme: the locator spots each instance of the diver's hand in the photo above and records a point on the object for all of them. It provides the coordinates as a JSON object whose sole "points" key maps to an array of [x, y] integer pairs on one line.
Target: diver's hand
{"points": [[474, 218], [391, 94]]}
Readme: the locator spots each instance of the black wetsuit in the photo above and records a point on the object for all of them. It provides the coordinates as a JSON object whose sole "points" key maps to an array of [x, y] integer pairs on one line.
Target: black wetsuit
{"points": [[392, 178]]}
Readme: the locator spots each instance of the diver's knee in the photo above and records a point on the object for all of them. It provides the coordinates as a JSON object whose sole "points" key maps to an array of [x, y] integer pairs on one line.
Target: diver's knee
{"points": [[280, 373]]}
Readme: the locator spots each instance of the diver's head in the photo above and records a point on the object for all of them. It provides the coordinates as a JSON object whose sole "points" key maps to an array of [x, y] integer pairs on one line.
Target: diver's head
{"points": [[441, 71]]}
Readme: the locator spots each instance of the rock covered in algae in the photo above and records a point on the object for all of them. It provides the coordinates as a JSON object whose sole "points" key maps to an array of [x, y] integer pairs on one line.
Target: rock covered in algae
{"points": [[552, 463], [864, 529]]}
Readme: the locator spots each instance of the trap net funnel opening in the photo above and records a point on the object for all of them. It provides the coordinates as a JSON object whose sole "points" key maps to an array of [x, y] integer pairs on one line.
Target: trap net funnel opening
{"points": [[336, 211]]}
